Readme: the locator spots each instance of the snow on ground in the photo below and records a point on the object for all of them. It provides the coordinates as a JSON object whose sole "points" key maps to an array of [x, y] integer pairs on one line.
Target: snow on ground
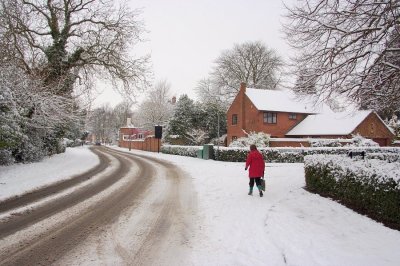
{"points": [[19, 178], [288, 226]]}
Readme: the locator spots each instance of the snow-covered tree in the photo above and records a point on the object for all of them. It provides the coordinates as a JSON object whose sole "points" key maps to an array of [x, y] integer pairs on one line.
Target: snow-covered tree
{"points": [[394, 123], [183, 118], [157, 108], [380, 91], [196, 123], [213, 119], [65, 41], [197, 136], [121, 113], [348, 47], [359, 141], [101, 124], [32, 120]]}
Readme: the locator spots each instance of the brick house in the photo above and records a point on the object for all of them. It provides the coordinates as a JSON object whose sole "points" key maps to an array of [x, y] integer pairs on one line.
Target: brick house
{"points": [[282, 115], [137, 138], [343, 125]]}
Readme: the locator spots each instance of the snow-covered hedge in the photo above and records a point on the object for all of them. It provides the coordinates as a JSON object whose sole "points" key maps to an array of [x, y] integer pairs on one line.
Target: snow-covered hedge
{"points": [[371, 186], [296, 155], [281, 155], [325, 142], [190, 151], [384, 156]]}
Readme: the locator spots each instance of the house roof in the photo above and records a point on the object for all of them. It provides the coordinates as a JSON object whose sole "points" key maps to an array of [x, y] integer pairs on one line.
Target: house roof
{"points": [[329, 124], [283, 101]]}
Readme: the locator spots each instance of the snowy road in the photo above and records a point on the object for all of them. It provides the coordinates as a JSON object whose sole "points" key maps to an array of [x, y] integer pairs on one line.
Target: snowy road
{"points": [[90, 214], [176, 210]]}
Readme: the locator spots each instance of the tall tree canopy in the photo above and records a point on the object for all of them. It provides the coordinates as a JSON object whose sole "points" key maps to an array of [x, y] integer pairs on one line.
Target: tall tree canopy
{"points": [[348, 47], [157, 108], [250, 62], [62, 41]]}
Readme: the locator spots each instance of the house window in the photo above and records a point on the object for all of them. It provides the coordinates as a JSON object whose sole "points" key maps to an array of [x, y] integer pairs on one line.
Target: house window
{"points": [[292, 116], [269, 118], [141, 136], [234, 119], [128, 137]]}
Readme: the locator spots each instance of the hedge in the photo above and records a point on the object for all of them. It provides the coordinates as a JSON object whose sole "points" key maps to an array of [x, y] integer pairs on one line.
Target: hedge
{"points": [[190, 151], [371, 187], [281, 155], [296, 155]]}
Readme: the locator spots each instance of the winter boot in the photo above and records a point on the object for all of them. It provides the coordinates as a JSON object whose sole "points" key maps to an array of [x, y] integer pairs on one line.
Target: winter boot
{"points": [[260, 189], [250, 191]]}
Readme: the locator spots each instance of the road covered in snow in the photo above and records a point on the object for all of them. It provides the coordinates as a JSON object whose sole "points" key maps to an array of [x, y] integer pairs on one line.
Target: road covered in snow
{"points": [[197, 212]]}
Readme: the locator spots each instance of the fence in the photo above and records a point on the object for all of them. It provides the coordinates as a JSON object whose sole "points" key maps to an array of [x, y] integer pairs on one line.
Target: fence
{"points": [[147, 144]]}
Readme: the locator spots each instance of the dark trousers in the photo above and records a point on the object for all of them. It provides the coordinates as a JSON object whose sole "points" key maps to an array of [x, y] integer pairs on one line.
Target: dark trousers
{"points": [[257, 180]]}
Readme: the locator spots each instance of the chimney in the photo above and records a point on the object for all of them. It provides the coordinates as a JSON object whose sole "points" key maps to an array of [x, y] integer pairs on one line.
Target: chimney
{"points": [[128, 122], [243, 87]]}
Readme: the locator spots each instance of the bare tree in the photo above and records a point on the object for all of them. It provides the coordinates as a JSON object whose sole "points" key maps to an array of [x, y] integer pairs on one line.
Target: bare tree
{"points": [[64, 41], [206, 91], [250, 62], [157, 108], [121, 113], [345, 45], [381, 89]]}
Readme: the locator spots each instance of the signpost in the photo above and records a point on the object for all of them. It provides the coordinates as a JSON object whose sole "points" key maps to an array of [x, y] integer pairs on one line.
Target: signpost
{"points": [[158, 135]]}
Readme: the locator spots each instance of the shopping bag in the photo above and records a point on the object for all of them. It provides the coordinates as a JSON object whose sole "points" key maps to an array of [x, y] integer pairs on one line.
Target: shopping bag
{"points": [[262, 184]]}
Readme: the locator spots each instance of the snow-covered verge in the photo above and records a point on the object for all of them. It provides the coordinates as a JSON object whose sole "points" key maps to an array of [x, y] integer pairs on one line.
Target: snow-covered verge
{"points": [[288, 226], [20, 178], [370, 186]]}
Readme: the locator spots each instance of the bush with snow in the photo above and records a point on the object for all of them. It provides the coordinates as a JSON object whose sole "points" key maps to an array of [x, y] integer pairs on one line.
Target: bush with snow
{"points": [[394, 124], [368, 186], [360, 141], [325, 143], [6, 157], [260, 139]]}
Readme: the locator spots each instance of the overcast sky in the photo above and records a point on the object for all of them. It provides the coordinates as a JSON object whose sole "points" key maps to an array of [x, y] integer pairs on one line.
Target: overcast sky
{"points": [[185, 36]]}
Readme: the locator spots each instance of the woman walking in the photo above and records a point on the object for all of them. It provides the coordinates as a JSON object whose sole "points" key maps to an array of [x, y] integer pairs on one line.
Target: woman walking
{"points": [[256, 171]]}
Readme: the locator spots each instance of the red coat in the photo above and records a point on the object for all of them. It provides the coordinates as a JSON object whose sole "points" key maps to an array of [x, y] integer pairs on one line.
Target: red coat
{"points": [[256, 162]]}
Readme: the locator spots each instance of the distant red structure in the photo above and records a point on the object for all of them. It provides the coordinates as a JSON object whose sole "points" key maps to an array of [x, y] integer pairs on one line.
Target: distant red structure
{"points": [[137, 138]]}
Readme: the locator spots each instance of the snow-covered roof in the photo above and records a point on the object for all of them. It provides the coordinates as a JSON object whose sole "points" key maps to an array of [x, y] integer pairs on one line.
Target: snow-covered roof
{"points": [[283, 101], [329, 124]]}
